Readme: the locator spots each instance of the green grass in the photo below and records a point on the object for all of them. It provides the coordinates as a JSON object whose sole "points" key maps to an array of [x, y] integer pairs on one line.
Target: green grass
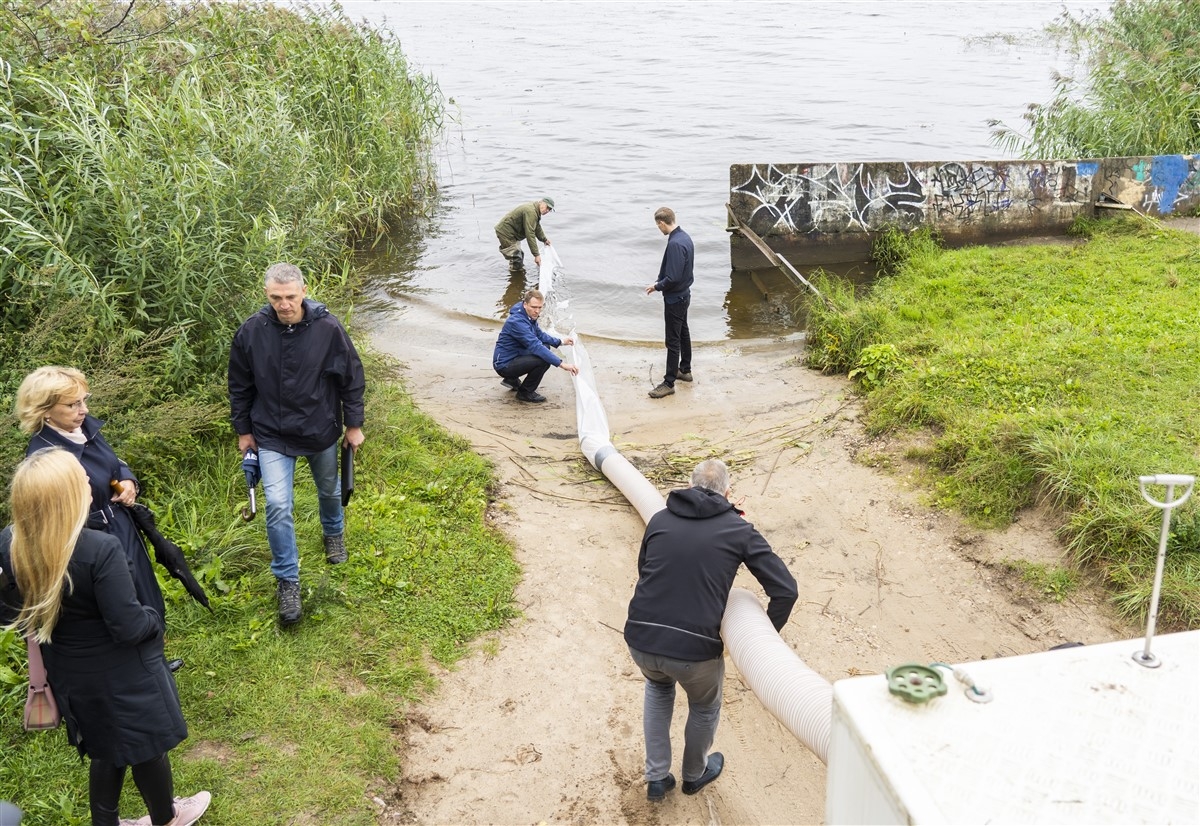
{"points": [[1047, 373], [301, 725]]}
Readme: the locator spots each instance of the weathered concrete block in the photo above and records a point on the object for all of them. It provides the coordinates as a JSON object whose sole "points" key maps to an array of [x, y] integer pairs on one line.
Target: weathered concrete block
{"points": [[822, 213]]}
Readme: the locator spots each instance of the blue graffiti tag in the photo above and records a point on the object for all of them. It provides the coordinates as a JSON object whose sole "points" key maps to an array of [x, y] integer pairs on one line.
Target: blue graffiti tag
{"points": [[1168, 174]]}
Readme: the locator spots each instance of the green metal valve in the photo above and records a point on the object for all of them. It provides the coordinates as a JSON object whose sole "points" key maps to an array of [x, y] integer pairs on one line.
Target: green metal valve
{"points": [[915, 683]]}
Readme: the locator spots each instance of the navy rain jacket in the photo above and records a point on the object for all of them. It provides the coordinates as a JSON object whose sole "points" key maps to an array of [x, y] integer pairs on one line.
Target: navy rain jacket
{"points": [[294, 385]]}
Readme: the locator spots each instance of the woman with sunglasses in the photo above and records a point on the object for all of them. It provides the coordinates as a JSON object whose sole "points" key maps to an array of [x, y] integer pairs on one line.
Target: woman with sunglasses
{"points": [[52, 406], [70, 589]]}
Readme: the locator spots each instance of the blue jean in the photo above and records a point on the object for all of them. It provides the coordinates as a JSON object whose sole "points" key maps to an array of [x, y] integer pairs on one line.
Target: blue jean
{"points": [[278, 477], [703, 682]]}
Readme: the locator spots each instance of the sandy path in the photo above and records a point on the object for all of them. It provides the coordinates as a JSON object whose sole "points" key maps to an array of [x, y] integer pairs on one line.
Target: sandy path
{"points": [[543, 723]]}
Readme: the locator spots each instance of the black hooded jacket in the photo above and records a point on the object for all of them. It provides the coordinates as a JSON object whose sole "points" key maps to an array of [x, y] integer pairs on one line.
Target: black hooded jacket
{"points": [[689, 557], [292, 385]]}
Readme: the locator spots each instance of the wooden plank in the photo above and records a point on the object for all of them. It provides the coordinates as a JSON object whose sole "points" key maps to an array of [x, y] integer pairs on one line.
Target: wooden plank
{"points": [[778, 260]]}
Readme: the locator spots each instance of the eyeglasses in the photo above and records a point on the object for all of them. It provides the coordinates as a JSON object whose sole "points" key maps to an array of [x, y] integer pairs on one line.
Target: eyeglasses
{"points": [[77, 405]]}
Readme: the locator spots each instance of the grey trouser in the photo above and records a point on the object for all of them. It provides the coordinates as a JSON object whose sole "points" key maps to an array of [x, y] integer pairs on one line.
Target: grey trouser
{"points": [[702, 682]]}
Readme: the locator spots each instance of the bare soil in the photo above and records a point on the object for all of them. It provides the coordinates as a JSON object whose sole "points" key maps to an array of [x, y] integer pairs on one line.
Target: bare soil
{"points": [[542, 724]]}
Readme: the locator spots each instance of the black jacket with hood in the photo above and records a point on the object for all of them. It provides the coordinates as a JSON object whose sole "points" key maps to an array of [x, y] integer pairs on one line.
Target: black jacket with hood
{"points": [[293, 385], [690, 554]]}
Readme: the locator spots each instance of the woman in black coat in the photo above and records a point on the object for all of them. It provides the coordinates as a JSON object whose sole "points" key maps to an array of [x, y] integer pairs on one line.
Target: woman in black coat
{"points": [[101, 646], [52, 407]]}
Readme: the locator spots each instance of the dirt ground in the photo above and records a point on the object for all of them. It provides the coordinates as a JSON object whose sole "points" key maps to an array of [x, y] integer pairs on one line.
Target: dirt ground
{"points": [[543, 723]]}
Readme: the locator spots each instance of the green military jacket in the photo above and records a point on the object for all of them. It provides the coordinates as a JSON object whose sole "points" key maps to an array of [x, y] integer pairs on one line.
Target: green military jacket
{"points": [[523, 222]]}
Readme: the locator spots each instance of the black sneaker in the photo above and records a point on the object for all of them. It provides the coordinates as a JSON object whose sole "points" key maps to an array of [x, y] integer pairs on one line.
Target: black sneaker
{"points": [[288, 594], [663, 389], [530, 396], [656, 790], [511, 384], [683, 376], [716, 762]]}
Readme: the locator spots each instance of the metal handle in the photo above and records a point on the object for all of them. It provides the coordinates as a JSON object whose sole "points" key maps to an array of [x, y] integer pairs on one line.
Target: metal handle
{"points": [[1170, 480]]}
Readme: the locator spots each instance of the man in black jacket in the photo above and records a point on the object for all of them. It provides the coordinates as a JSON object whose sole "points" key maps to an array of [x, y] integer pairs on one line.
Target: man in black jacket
{"points": [[690, 553], [294, 380]]}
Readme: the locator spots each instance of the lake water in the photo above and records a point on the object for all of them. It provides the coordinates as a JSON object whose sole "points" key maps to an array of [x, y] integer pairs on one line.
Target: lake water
{"points": [[614, 109]]}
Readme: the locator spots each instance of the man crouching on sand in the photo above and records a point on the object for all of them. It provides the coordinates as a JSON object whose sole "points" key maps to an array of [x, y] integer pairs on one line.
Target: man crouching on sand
{"points": [[522, 355]]}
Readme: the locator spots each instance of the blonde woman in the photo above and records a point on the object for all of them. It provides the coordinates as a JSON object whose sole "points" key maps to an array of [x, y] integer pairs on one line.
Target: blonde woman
{"points": [[52, 407], [70, 587]]}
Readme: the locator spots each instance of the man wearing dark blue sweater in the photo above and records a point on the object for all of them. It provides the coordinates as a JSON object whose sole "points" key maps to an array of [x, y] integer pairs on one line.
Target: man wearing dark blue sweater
{"points": [[690, 554], [675, 283]]}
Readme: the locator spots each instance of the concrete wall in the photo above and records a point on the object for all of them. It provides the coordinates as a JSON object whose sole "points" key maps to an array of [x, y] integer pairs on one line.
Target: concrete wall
{"points": [[823, 213]]}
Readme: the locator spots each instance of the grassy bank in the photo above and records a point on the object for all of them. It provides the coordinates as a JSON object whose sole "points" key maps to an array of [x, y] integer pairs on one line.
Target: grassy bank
{"points": [[301, 726], [157, 157], [1047, 373]]}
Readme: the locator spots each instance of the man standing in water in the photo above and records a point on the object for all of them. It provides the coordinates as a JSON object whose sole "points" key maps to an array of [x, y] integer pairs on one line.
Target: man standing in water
{"points": [[690, 554], [523, 223], [675, 283]]}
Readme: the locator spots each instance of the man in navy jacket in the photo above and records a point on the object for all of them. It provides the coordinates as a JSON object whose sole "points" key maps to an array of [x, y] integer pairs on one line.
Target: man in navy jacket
{"points": [[522, 355], [675, 283], [690, 554], [294, 380]]}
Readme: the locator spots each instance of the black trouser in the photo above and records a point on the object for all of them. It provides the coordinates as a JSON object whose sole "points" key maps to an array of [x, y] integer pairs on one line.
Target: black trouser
{"points": [[153, 779], [534, 366], [679, 340]]}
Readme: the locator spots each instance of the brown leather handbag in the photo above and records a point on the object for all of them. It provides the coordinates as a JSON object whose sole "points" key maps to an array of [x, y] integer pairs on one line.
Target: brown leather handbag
{"points": [[41, 710]]}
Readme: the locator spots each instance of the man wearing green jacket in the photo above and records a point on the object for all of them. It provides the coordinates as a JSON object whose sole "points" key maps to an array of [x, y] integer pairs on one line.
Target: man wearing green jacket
{"points": [[523, 224]]}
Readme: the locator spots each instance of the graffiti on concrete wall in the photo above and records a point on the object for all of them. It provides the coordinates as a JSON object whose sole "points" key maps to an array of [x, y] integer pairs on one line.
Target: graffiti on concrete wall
{"points": [[820, 199]]}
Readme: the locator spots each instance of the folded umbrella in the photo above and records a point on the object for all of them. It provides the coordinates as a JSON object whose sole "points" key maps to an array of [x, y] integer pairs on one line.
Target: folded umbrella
{"points": [[253, 473], [347, 474], [167, 553]]}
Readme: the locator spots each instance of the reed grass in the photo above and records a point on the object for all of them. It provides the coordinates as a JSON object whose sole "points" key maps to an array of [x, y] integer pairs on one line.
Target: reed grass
{"points": [[151, 176], [1044, 373], [1136, 90]]}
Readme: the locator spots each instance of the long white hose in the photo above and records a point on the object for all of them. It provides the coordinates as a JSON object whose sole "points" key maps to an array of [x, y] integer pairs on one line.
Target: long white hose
{"points": [[796, 695]]}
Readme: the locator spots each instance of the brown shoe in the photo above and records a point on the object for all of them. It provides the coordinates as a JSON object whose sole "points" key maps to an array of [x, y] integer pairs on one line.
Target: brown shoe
{"points": [[663, 389], [683, 376]]}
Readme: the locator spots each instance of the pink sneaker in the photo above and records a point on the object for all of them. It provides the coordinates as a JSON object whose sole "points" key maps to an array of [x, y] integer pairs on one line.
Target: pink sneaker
{"points": [[189, 809]]}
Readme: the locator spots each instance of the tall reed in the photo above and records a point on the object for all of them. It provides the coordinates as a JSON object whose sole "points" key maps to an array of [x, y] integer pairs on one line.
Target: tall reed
{"points": [[1138, 91], [151, 174]]}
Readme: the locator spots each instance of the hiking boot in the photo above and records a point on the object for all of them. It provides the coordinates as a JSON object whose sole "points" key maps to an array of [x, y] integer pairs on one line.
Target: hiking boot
{"points": [[289, 601], [530, 396], [663, 389], [683, 376], [189, 809], [511, 384], [335, 549]]}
